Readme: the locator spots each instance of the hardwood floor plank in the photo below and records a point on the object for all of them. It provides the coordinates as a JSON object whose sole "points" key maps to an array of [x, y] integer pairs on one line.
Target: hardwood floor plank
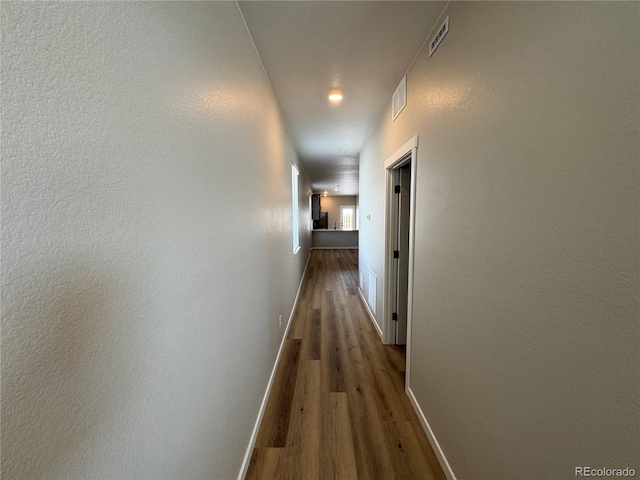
{"points": [[296, 330], [338, 459], [275, 426], [309, 461], [410, 460], [302, 458], [264, 464], [315, 335], [391, 399], [358, 373], [333, 367], [373, 459], [349, 282], [338, 408]]}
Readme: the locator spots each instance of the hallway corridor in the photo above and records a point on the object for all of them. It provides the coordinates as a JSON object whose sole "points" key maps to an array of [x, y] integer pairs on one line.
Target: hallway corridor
{"points": [[337, 408]]}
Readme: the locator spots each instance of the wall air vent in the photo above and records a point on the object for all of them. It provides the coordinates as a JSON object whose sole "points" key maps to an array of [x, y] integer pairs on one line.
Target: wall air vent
{"points": [[399, 99], [439, 36], [373, 288]]}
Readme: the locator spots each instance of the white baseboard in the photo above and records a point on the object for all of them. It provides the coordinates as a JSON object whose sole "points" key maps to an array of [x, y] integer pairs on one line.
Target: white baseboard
{"points": [[335, 248], [371, 316], [432, 438], [256, 428]]}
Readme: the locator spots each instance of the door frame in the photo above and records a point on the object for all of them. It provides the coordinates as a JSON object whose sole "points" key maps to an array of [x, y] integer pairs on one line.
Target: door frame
{"points": [[405, 154]]}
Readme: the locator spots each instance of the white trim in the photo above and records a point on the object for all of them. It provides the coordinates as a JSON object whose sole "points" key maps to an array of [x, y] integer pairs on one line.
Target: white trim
{"points": [[412, 250], [371, 317], [295, 207], [256, 428], [401, 152], [430, 435], [335, 248], [388, 274]]}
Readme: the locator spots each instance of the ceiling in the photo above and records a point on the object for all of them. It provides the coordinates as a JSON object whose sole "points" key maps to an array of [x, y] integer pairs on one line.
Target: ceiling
{"points": [[311, 47]]}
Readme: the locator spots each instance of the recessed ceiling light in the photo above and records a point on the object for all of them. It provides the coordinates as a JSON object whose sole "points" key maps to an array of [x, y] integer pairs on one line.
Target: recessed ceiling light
{"points": [[335, 96], [336, 189]]}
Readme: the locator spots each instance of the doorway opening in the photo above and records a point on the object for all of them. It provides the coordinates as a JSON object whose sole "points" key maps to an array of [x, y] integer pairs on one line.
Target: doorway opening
{"points": [[402, 177], [347, 217], [399, 246]]}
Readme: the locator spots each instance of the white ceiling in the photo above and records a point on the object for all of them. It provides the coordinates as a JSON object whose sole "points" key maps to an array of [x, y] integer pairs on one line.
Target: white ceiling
{"points": [[311, 47]]}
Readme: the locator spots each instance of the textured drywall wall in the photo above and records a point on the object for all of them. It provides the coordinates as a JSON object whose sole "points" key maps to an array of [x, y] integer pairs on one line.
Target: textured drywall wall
{"points": [[524, 352], [145, 216]]}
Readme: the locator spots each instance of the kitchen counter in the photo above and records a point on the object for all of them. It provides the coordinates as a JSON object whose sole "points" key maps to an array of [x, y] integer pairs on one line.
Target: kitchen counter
{"points": [[333, 238]]}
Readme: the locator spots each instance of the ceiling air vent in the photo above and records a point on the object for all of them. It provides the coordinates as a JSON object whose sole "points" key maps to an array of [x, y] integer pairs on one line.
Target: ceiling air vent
{"points": [[399, 99]]}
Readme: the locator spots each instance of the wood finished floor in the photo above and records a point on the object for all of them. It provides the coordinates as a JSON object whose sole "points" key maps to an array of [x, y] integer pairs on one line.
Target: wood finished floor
{"points": [[337, 408]]}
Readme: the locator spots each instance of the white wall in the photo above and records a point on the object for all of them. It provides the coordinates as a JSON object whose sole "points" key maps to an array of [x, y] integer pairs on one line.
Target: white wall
{"points": [[525, 338], [139, 307]]}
